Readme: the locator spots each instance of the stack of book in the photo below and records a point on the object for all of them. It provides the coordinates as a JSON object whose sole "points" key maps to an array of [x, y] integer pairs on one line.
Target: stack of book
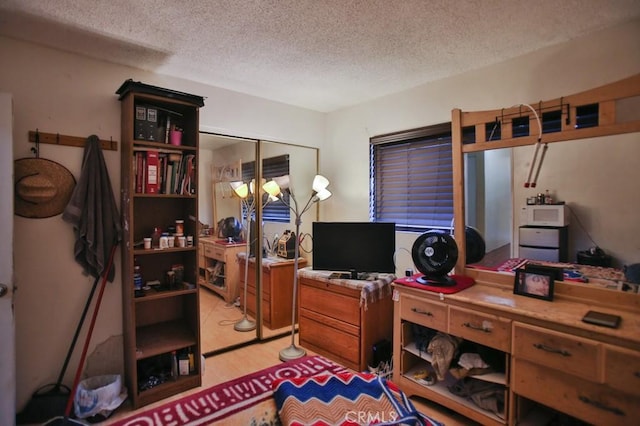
{"points": [[164, 171]]}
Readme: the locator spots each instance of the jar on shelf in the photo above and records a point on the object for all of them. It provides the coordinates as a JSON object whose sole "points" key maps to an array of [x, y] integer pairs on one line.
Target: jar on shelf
{"points": [[155, 238]]}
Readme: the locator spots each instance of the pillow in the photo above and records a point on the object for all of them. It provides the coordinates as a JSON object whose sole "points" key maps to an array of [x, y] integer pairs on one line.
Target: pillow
{"points": [[344, 399]]}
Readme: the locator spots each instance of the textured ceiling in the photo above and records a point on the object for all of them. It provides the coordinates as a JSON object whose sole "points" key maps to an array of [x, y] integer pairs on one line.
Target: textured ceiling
{"points": [[318, 54]]}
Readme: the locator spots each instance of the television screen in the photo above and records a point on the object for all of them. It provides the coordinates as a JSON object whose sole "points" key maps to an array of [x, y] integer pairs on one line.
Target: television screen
{"points": [[357, 247]]}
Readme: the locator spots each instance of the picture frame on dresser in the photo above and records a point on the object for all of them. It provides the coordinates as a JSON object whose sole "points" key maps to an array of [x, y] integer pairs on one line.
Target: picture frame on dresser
{"points": [[534, 283]]}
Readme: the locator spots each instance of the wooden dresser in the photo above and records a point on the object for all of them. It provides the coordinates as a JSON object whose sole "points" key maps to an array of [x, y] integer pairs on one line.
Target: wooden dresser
{"points": [[342, 319], [277, 289], [552, 360]]}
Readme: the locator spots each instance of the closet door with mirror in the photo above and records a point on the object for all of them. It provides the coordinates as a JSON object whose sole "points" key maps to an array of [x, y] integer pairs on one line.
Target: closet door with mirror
{"points": [[227, 320]]}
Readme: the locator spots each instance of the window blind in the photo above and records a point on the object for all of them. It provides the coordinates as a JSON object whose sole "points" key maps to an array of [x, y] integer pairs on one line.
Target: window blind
{"points": [[274, 211], [411, 178]]}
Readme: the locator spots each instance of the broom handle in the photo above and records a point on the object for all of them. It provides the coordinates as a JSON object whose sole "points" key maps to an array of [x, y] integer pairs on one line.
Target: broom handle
{"points": [[77, 333], [105, 274]]}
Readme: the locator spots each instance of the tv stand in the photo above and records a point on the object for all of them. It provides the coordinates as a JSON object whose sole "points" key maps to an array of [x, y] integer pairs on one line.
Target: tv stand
{"points": [[342, 318]]}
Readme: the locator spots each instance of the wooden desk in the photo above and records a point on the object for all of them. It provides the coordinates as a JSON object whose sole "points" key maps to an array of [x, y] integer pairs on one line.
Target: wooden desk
{"points": [[277, 289], [219, 261]]}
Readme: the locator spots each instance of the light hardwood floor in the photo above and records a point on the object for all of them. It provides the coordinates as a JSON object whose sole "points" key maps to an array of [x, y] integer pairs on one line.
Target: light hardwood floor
{"points": [[229, 365], [217, 319]]}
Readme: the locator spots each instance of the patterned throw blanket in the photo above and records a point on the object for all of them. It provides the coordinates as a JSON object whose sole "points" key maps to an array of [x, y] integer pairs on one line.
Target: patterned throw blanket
{"points": [[344, 399]]}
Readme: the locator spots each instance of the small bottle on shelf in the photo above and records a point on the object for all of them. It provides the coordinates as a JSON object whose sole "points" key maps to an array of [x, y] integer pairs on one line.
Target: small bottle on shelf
{"points": [[174, 365], [548, 199], [138, 282], [192, 365]]}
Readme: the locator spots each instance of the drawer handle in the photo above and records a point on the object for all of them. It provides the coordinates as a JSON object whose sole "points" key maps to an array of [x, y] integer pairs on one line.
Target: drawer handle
{"points": [[420, 311], [477, 327], [552, 350], [637, 374], [601, 406]]}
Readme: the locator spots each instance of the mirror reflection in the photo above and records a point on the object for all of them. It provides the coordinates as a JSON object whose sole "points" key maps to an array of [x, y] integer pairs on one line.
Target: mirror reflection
{"points": [[228, 216], [592, 180]]}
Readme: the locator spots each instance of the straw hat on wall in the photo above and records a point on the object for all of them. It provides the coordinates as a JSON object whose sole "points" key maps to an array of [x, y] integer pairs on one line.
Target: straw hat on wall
{"points": [[42, 187]]}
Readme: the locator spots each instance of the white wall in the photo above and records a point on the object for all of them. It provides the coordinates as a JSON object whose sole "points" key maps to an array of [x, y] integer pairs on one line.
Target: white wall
{"points": [[546, 74], [58, 92]]}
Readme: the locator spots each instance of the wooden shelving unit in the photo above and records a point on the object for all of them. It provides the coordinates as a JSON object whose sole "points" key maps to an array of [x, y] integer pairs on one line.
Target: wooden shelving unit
{"points": [[161, 320]]}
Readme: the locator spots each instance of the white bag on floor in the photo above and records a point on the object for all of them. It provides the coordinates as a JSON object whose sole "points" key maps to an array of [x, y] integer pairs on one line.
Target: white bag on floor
{"points": [[99, 395]]}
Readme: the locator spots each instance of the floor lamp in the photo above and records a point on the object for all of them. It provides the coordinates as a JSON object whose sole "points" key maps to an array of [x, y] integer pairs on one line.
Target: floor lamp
{"points": [[320, 193], [242, 190]]}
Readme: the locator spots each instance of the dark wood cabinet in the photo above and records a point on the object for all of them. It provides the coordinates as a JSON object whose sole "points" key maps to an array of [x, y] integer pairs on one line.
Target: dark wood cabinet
{"points": [[159, 285]]}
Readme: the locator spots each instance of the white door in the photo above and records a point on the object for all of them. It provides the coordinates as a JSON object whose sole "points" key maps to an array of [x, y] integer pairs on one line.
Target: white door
{"points": [[7, 333]]}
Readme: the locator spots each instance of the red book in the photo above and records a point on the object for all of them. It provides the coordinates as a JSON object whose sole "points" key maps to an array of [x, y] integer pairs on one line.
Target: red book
{"points": [[139, 172], [152, 172]]}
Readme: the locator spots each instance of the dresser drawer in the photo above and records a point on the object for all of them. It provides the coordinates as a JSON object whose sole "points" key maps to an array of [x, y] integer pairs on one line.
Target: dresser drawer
{"points": [[325, 339], [335, 306], [423, 312], [580, 398], [622, 369], [213, 251], [486, 329], [552, 349]]}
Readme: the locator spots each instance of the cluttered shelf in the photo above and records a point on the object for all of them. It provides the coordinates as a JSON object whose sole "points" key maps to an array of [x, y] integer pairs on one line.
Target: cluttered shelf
{"points": [[606, 277]]}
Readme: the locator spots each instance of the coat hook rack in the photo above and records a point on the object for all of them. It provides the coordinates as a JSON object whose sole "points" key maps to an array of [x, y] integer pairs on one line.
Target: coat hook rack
{"points": [[36, 149], [58, 139]]}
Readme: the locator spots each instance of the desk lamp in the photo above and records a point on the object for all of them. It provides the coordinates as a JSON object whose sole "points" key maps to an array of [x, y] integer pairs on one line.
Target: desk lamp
{"points": [[320, 193]]}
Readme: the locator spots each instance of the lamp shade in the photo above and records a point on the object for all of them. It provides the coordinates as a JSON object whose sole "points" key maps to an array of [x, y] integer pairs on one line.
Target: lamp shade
{"points": [[323, 194], [272, 188], [319, 183], [242, 190], [284, 181]]}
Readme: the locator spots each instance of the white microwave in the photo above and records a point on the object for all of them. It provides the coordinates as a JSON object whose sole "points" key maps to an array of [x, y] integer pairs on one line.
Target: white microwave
{"points": [[546, 215]]}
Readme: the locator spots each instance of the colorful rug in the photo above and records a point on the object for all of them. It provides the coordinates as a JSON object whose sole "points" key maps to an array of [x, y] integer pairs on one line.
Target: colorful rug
{"points": [[345, 399], [244, 400]]}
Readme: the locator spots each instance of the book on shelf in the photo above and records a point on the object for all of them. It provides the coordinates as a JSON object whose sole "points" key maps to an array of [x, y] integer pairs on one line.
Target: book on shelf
{"points": [[153, 123], [152, 175], [164, 171]]}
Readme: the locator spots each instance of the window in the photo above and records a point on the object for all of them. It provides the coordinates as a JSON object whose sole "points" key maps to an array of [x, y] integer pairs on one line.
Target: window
{"points": [[274, 211], [411, 178]]}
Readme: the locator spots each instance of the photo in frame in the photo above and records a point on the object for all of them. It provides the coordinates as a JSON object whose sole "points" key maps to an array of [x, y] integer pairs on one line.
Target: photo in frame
{"points": [[537, 284], [556, 272]]}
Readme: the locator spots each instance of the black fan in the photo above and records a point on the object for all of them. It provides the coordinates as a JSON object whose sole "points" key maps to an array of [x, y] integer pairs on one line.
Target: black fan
{"points": [[435, 254], [230, 227], [475, 246]]}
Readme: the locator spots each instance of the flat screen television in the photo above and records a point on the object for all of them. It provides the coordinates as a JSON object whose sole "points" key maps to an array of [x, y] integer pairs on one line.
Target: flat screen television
{"points": [[354, 247]]}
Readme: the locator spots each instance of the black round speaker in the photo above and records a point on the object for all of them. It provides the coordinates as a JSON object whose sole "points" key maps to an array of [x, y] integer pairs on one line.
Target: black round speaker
{"points": [[435, 254]]}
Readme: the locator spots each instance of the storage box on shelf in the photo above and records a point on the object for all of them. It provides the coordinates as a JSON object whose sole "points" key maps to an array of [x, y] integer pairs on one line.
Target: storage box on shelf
{"points": [[159, 187], [277, 289]]}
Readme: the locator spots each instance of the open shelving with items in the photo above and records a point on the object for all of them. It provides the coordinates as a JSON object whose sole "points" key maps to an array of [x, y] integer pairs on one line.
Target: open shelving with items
{"points": [[458, 386], [432, 336], [159, 283]]}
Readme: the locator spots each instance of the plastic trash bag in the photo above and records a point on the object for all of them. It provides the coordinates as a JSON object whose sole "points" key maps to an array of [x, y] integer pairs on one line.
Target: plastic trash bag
{"points": [[99, 395]]}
